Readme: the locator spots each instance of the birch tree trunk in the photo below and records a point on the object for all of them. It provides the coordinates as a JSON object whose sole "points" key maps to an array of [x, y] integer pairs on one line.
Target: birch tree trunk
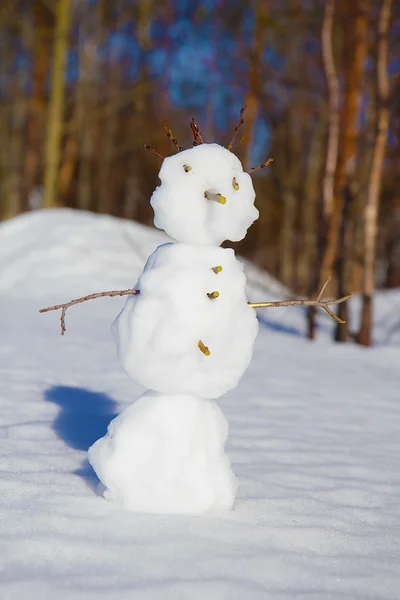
{"points": [[372, 201], [325, 212], [333, 110], [56, 109], [355, 50]]}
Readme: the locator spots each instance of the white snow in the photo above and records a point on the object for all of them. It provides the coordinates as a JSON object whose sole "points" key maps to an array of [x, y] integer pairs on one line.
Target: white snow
{"points": [[165, 453], [158, 331], [314, 440], [183, 211]]}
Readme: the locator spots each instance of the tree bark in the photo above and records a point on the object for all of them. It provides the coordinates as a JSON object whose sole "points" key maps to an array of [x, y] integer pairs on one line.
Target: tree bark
{"points": [[333, 110], [42, 25], [372, 201], [56, 109], [355, 49], [254, 84], [325, 211]]}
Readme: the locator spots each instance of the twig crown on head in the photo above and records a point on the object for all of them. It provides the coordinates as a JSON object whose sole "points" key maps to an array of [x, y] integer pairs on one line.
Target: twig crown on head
{"points": [[198, 139]]}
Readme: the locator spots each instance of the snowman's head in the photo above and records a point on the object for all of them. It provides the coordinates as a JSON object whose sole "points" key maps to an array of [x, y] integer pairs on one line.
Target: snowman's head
{"points": [[205, 197]]}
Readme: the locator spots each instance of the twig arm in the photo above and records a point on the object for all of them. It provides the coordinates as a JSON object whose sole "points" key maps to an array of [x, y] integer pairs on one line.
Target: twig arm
{"points": [[84, 299], [322, 304]]}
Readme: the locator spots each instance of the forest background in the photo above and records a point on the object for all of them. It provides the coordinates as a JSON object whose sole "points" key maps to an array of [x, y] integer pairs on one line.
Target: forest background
{"points": [[85, 84]]}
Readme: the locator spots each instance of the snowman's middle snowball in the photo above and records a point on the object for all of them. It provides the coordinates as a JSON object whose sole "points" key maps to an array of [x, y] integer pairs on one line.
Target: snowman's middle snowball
{"points": [[158, 331]]}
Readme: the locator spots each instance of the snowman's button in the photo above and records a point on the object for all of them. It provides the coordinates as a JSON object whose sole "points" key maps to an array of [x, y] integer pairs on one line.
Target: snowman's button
{"points": [[213, 295], [217, 269], [203, 348]]}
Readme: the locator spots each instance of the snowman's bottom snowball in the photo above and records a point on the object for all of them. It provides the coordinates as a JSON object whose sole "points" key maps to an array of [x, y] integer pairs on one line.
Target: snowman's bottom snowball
{"points": [[165, 454]]}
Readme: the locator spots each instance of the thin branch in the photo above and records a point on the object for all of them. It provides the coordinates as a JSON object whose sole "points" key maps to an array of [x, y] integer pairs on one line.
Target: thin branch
{"points": [[79, 300], [213, 295], [238, 126], [268, 162], [196, 132], [151, 149], [199, 134], [193, 128], [318, 302], [173, 139], [239, 143], [323, 288]]}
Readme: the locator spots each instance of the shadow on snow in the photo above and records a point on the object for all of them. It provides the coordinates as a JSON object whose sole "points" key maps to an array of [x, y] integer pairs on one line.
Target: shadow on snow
{"points": [[83, 419]]}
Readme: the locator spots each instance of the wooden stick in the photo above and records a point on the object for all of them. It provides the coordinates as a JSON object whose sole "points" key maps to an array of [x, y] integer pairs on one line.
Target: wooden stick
{"points": [[171, 137], [238, 126], [196, 132], [216, 269], [79, 300], [215, 196], [199, 134], [268, 162], [151, 149], [323, 304], [203, 348], [239, 143], [318, 302], [323, 288], [193, 128]]}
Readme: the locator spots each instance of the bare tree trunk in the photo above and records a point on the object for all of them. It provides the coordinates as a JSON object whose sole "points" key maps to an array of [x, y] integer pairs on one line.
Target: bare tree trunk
{"points": [[290, 170], [15, 150], [356, 30], [333, 109], [341, 333], [308, 206], [56, 109], [68, 166], [332, 149], [106, 188], [286, 239], [253, 94], [362, 176], [86, 104], [6, 208], [6, 118], [372, 201], [42, 25]]}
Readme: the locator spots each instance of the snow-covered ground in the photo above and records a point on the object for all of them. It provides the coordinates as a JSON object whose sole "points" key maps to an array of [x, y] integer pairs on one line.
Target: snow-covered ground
{"points": [[314, 440]]}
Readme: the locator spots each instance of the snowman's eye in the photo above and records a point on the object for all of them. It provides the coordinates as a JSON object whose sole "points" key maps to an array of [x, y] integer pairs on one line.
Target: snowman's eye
{"points": [[235, 184], [187, 168]]}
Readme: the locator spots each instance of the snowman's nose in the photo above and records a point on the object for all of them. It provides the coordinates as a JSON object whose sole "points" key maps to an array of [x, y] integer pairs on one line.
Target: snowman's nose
{"points": [[216, 196]]}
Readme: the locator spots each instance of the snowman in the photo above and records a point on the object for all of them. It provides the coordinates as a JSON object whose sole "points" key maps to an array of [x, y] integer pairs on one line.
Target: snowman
{"points": [[187, 336]]}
